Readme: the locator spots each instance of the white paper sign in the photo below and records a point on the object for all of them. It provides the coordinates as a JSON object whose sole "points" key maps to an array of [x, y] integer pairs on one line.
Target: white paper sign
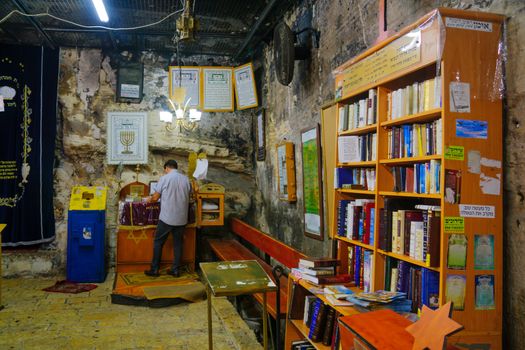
{"points": [[477, 211], [130, 90], [468, 24], [2, 108], [489, 184], [348, 149], [459, 97], [473, 161]]}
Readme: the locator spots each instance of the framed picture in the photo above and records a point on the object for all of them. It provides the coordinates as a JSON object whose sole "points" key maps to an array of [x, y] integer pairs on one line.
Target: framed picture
{"points": [[127, 138], [260, 135], [188, 78], [312, 182], [286, 172], [245, 91], [152, 187]]}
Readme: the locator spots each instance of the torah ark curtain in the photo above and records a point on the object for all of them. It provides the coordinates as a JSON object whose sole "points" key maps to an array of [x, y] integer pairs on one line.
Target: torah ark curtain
{"points": [[28, 89]]}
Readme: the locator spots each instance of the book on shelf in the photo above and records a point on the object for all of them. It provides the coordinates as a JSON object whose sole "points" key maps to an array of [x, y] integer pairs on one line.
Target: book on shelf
{"points": [[319, 271], [329, 327], [318, 323], [415, 140], [357, 148], [319, 262], [358, 114], [415, 98], [354, 178], [418, 178], [337, 289], [308, 307], [322, 280]]}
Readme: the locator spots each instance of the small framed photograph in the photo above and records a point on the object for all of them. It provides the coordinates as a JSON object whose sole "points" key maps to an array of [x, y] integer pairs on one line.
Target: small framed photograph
{"points": [[152, 187]]}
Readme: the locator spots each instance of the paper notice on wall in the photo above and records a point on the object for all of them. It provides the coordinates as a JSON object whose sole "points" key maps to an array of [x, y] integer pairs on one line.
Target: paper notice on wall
{"points": [[2, 108], [490, 185], [491, 163], [473, 161], [459, 97], [454, 224], [455, 152], [477, 211]]}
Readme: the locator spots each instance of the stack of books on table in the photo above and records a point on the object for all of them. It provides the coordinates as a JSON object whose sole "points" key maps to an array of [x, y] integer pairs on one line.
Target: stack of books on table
{"points": [[320, 271]]}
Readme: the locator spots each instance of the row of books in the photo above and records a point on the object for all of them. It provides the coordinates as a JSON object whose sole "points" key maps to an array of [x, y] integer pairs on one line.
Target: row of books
{"points": [[321, 319], [320, 271], [356, 220], [415, 140], [410, 229], [357, 148], [418, 178], [355, 178], [360, 113], [360, 266], [420, 284], [415, 98]]}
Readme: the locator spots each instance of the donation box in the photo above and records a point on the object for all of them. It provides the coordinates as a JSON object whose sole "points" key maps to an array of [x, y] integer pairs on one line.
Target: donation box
{"points": [[86, 237]]}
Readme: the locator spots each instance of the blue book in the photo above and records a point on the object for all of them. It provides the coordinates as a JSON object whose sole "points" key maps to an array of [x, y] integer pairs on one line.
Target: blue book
{"points": [[315, 316], [341, 222], [372, 222], [430, 288], [343, 176], [357, 265]]}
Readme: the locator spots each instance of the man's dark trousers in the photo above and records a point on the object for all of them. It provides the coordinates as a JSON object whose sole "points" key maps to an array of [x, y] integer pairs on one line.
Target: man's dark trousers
{"points": [[161, 234]]}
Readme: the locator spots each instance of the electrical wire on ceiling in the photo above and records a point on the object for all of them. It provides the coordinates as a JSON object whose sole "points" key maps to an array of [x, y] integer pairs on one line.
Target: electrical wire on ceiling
{"points": [[93, 27]]}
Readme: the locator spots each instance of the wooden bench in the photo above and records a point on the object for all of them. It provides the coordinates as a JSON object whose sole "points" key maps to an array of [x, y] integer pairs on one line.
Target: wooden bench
{"points": [[233, 250]]}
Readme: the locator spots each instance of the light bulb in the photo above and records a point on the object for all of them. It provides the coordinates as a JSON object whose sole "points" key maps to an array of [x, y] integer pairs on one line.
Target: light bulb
{"points": [[179, 113], [195, 115], [166, 116]]}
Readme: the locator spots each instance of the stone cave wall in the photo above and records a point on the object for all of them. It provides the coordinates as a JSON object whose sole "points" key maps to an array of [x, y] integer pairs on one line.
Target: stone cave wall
{"points": [[347, 28], [87, 85]]}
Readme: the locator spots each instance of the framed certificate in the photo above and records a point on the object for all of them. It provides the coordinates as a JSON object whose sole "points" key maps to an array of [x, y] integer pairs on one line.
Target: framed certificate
{"points": [[217, 89], [245, 91], [127, 138], [188, 78]]}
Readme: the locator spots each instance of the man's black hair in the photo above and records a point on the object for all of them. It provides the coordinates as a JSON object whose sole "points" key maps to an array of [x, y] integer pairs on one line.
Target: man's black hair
{"points": [[172, 164]]}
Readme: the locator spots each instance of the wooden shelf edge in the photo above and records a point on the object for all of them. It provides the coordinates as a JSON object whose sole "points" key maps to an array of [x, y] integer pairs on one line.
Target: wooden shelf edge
{"points": [[354, 242], [365, 164], [301, 327], [359, 131], [408, 260], [410, 194], [351, 191], [413, 118], [410, 160]]}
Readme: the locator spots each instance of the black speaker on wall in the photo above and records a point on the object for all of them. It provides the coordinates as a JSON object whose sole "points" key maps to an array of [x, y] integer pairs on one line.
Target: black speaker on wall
{"points": [[130, 82]]}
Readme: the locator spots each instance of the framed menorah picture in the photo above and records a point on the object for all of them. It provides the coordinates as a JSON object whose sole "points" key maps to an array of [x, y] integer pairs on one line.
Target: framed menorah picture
{"points": [[127, 138]]}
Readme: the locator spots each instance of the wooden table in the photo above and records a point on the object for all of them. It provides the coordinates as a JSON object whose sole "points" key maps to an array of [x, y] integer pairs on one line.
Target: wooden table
{"points": [[135, 248], [230, 278]]}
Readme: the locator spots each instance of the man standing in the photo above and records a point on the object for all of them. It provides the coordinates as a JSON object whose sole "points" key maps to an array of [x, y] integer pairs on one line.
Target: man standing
{"points": [[173, 189]]}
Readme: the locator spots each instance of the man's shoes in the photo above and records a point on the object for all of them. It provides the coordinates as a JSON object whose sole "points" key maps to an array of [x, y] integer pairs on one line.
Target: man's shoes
{"points": [[174, 273], [151, 273]]}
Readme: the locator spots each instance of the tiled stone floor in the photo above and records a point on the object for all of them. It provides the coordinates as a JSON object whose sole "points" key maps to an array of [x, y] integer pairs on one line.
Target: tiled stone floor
{"points": [[33, 319]]}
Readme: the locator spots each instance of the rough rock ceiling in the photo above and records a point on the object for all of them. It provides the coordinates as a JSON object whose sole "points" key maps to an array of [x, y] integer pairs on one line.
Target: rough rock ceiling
{"points": [[227, 27]]}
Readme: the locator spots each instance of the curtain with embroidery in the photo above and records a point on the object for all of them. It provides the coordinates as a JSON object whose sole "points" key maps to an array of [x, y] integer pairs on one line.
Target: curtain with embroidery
{"points": [[28, 99]]}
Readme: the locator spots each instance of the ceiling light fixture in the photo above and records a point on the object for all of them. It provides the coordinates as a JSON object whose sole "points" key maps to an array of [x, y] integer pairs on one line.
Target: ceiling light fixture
{"points": [[101, 10]]}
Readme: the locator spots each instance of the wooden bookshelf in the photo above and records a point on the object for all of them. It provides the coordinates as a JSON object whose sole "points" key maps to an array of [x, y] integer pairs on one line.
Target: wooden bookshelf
{"points": [[359, 131], [354, 242], [356, 192], [409, 160], [421, 117], [464, 59], [304, 330]]}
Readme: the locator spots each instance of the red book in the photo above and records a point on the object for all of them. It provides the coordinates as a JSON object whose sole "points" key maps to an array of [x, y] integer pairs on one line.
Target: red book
{"points": [[324, 280], [367, 233]]}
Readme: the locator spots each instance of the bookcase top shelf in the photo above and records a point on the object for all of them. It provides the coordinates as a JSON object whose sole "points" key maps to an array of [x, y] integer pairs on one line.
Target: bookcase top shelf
{"points": [[410, 160], [367, 164], [410, 194], [352, 191], [408, 259], [422, 117], [359, 131]]}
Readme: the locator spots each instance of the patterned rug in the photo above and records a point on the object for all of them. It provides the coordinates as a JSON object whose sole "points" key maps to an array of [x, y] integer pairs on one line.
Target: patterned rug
{"points": [[70, 287], [139, 278]]}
